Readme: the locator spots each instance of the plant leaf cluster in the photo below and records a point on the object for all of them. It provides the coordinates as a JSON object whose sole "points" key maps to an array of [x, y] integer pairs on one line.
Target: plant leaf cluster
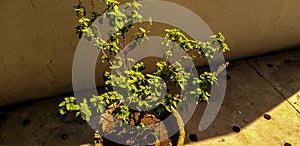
{"points": [[133, 86]]}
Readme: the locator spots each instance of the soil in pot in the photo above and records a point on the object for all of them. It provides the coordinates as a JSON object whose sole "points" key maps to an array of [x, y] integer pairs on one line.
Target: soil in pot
{"points": [[109, 128]]}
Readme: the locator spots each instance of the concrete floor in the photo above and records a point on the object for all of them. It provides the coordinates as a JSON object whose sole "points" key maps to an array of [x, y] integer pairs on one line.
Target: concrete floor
{"points": [[262, 99]]}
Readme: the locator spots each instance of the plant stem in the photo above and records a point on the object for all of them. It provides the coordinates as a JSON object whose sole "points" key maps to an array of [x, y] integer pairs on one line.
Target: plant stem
{"points": [[180, 123]]}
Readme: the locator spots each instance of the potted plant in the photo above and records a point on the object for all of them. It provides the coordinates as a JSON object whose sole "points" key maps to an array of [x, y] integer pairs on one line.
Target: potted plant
{"points": [[131, 95]]}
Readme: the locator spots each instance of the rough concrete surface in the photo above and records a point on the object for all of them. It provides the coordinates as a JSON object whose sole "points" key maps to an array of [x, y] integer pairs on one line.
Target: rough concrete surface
{"points": [[261, 108]]}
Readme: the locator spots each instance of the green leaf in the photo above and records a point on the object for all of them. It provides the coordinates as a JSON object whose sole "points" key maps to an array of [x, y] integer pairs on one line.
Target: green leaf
{"points": [[112, 13], [62, 104], [168, 108], [142, 30], [175, 103], [101, 108], [107, 101], [130, 59], [72, 99], [77, 114], [68, 106], [62, 112], [67, 99], [93, 100], [75, 107], [140, 103]]}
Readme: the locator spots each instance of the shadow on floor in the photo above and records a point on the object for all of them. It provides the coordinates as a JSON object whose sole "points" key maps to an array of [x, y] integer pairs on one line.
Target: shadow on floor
{"points": [[254, 87]]}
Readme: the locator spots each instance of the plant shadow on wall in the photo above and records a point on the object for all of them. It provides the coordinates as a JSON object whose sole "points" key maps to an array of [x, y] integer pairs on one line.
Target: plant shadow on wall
{"points": [[133, 107]]}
